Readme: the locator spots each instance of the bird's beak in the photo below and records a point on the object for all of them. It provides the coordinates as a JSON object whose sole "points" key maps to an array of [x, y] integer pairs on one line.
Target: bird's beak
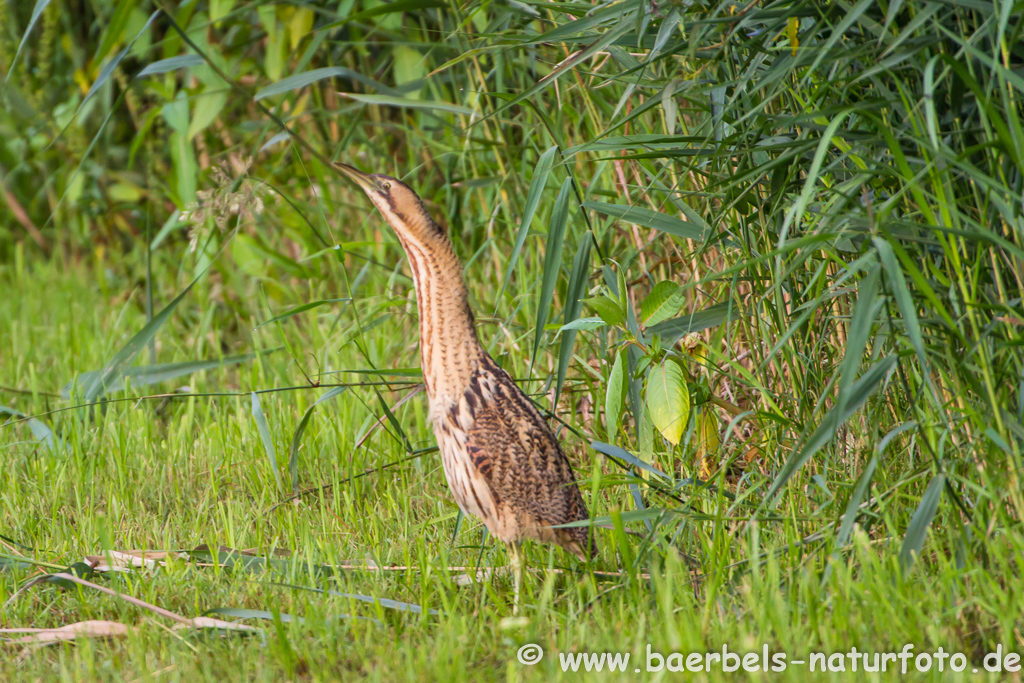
{"points": [[361, 179]]}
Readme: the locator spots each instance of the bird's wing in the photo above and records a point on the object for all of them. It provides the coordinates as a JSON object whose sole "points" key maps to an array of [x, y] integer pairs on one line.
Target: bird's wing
{"points": [[514, 449]]}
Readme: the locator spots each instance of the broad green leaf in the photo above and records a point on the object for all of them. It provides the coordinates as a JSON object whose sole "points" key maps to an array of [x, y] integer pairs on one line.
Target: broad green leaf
{"points": [[186, 169], [220, 9], [276, 45], [615, 395], [12, 562], [583, 324], [264, 430], [577, 287], [409, 67], [78, 569], [537, 183], [917, 530], [114, 370], [299, 26], [649, 219], [707, 426], [662, 303], [712, 316], [552, 262], [207, 106], [175, 113], [608, 308], [668, 400]]}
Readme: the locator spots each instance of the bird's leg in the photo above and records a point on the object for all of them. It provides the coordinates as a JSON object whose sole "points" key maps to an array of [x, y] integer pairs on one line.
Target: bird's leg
{"points": [[516, 559]]}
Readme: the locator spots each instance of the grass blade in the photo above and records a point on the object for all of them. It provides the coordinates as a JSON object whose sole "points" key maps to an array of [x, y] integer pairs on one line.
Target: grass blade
{"points": [[917, 530], [576, 289], [170, 64], [537, 183], [301, 80], [143, 375], [552, 262], [712, 316], [293, 460], [649, 219], [865, 311], [40, 431], [37, 12], [115, 368], [860, 391], [300, 309], [387, 603], [108, 68], [264, 430], [618, 453], [392, 101], [907, 306], [386, 8]]}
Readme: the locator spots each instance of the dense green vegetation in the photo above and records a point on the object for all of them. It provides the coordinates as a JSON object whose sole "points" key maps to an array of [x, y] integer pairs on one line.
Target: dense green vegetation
{"points": [[762, 262]]}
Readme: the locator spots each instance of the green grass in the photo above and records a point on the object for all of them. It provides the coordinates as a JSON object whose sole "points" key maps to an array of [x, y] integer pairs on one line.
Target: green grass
{"points": [[175, 475], [792, 232]]}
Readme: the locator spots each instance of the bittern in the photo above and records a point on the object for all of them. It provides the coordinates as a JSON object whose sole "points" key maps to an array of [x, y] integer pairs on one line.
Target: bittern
{"points": [[502, 462]]}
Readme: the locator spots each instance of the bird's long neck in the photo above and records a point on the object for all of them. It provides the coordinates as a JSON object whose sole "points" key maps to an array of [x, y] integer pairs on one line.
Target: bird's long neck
{"points": [[449, 348]]}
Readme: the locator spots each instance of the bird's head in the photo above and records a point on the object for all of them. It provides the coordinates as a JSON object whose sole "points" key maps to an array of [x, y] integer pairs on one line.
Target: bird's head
{"points": [[401, 207]]}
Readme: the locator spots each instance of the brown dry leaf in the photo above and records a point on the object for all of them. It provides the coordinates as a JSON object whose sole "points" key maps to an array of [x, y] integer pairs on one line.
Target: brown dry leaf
{"points": [[81, 629], [122, 561]]}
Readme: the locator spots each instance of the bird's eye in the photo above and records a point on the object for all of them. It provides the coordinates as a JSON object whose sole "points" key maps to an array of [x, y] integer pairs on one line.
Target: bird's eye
{"points": [[386, 186]]}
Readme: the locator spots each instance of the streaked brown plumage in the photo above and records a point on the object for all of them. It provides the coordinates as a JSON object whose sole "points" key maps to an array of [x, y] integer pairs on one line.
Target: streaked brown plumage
{"points": [[502, 462]]}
